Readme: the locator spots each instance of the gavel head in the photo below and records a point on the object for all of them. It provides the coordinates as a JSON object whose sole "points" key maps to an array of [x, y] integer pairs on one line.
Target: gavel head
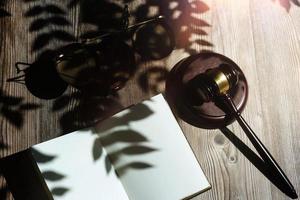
{"points": [[194, 84], [214, 82]]}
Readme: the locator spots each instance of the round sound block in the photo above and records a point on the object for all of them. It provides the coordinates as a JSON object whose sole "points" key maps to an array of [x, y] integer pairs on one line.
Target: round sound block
{"points": [[206, 115]]}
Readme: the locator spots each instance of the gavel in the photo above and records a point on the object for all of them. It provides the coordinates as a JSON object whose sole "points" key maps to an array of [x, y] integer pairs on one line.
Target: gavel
{"points": [[209, 90]]}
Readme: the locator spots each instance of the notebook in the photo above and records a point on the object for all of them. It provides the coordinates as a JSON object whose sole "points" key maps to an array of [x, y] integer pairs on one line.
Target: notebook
{"points": [[140, 153]]}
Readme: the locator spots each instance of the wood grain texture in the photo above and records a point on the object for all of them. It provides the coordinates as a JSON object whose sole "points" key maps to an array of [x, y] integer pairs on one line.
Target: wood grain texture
{"points": [[260, 36]]}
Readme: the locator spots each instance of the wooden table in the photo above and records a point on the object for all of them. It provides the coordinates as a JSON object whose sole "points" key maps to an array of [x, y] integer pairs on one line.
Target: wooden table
{"points": [[262, 37]]}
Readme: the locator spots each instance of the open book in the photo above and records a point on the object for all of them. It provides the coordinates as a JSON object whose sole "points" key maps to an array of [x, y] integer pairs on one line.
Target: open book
{"points": [[138, 154]]}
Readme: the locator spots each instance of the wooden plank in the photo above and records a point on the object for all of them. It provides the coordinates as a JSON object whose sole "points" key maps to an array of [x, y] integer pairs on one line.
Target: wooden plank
{"points": [[260, 36]]}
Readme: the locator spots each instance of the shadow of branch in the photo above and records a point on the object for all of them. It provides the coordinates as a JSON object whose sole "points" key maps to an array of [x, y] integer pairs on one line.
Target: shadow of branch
{"points": [[87, 110], [133, 142], [50, 174], [13, 108], [3, 11], [46, 17]]}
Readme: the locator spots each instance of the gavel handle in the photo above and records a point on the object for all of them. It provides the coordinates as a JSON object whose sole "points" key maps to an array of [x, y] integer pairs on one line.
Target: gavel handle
{"points": [[261, 149]]}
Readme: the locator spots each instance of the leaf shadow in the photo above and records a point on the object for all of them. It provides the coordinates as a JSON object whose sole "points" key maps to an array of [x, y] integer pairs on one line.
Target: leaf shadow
{"points": [[184, 18], [123, 136], [86, 110], [153, 79], [3, 145], [49, 22], [3, 11], [59, 191], [45, 38], [154, 41], [50, 174], [117, 130], [13, 109], [132, 166], [130, 150], [103, 14]]}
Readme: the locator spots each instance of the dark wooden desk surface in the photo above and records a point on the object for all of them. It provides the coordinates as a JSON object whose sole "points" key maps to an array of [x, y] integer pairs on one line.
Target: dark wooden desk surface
{"points": [[260, 36]]}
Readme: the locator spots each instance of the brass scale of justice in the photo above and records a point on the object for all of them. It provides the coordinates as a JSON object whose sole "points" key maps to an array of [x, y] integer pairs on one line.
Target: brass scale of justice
{"points": [[207, 90]]}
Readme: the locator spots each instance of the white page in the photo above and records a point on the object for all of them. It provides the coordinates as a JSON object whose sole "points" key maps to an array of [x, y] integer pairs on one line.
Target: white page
{"points": [[84, 176], [158, 163]]}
